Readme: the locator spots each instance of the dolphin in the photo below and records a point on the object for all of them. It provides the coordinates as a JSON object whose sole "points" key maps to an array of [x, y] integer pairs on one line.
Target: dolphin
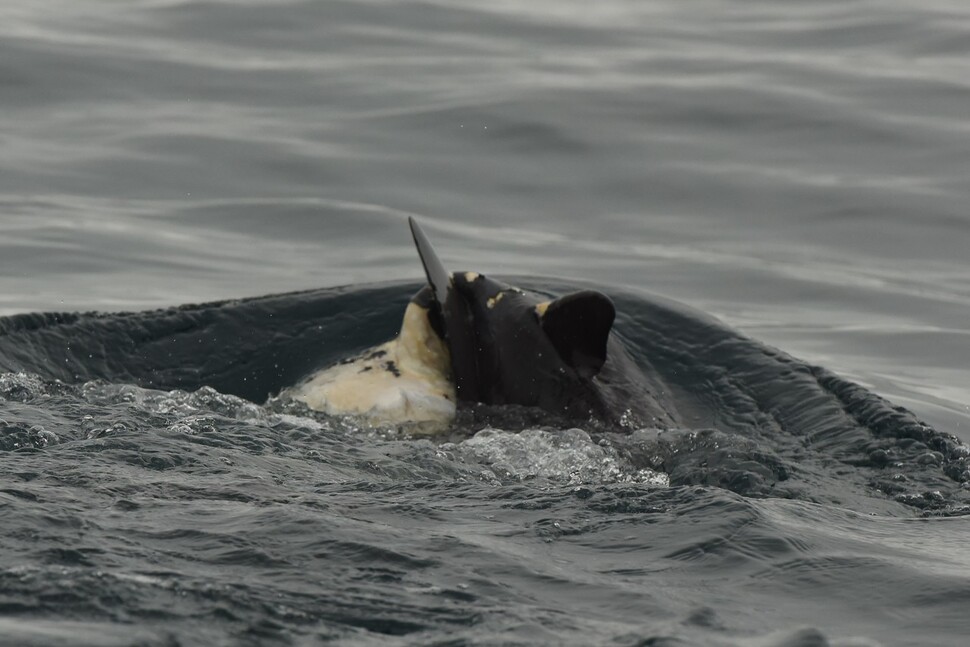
{"points": [[468, 340]]}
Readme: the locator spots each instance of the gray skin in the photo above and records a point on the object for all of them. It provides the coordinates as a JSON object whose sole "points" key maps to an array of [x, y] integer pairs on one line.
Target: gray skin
{"points": [[511, 347]]}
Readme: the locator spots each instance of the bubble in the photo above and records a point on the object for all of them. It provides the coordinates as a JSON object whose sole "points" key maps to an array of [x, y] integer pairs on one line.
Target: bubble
{"points": [[568, 456]]}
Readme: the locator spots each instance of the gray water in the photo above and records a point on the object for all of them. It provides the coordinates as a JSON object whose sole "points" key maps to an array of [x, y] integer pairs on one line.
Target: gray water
{"points": [[797, 169]]}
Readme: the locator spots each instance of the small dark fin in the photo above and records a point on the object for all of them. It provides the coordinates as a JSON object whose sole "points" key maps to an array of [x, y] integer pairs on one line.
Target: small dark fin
{"points": [[438, 277], [578, 325]]}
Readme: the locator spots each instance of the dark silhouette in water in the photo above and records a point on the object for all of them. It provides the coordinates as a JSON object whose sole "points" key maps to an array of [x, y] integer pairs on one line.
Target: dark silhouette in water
{"points": [[469, 339], [749, 418]]}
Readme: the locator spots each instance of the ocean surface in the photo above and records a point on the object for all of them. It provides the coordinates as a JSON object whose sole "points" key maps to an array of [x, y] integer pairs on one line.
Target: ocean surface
{"points": [[776, 195]]}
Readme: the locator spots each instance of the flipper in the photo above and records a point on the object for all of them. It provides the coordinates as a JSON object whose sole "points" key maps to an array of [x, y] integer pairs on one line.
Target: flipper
{"points": [[578, 325]]}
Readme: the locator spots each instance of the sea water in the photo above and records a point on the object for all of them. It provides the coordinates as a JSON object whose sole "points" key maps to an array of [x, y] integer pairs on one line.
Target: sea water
{"points": [[796, 169]]}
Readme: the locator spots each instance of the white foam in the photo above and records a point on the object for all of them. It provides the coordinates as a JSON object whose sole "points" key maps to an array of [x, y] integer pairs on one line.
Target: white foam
{"points": [[569, 456]]}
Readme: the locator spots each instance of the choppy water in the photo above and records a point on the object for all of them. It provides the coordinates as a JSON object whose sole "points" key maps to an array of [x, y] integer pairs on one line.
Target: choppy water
{"points": [[797, 169]]}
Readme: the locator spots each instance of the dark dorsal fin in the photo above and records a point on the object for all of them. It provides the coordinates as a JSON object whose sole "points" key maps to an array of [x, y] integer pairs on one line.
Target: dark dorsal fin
{"points": [[438, 277], [578, 325]]}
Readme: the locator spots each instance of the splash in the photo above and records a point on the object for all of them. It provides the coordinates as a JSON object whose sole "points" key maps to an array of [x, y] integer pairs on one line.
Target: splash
{"points": [[570, 456]]}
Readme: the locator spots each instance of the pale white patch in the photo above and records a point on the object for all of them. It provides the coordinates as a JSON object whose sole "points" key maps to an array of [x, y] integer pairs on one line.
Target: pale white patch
{"points": [[404, 381], [471, 276], [542, 307], [498, 297]]}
